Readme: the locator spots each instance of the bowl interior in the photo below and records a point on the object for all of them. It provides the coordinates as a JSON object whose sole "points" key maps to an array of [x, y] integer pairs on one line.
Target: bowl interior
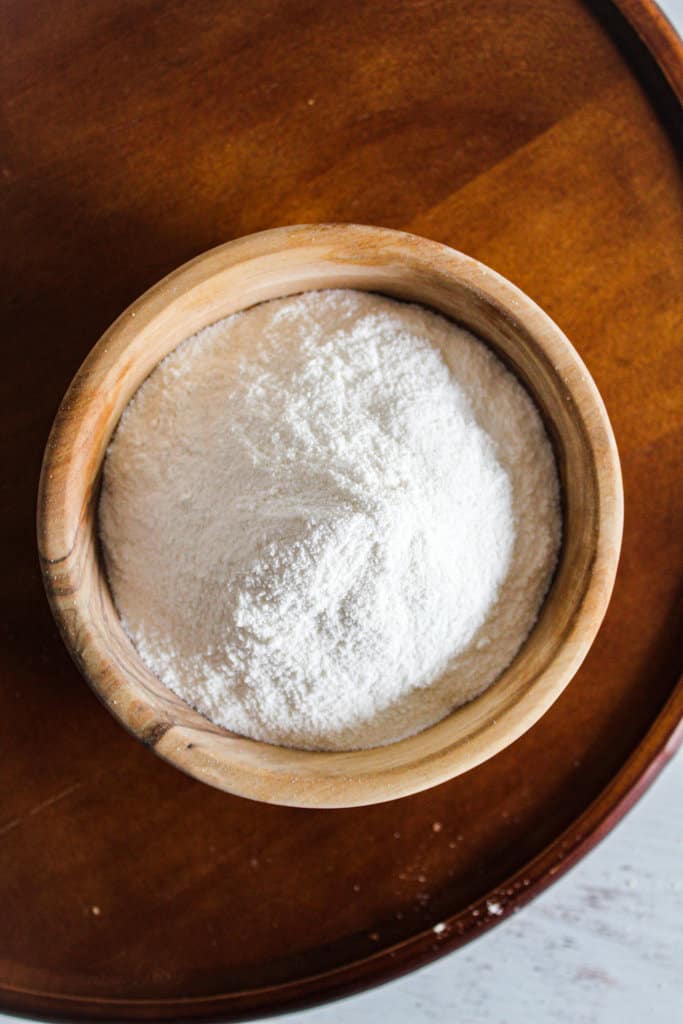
{"points": [[274, 265]]}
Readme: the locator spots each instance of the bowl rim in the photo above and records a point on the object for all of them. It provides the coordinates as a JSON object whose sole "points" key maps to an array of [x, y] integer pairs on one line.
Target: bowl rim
{"points": [[206, 752]]}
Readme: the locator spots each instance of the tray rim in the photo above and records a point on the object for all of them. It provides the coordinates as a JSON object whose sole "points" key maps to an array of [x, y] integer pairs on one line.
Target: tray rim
{"points": [[635, 777], [664, 737]]}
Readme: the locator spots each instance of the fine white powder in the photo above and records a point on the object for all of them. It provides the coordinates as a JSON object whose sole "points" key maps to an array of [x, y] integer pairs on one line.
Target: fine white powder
{"points": [[329, 520]]}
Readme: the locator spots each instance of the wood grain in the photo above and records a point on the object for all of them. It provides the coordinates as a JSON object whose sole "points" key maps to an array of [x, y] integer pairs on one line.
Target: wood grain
{"points": [[542, 139], [273, 264]]}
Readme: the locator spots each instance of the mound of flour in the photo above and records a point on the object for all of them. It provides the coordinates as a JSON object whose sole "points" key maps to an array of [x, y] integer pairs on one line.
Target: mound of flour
{"points": [[307, 515]]}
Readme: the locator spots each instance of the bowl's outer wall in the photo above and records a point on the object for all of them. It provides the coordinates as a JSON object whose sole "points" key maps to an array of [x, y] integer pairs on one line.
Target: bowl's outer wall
{"points": [[269, 265]]}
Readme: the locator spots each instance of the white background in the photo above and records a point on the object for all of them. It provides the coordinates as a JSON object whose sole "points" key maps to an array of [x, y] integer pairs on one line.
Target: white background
{"points": [[604, 945]]}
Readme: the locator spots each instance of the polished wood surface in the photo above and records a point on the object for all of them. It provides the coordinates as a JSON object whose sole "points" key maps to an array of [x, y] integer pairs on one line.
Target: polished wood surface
{"points": [[269, 265], [542, 139]]}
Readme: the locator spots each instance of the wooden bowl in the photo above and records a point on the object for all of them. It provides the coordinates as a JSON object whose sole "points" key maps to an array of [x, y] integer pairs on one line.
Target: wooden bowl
{"points": [[270, 265]]}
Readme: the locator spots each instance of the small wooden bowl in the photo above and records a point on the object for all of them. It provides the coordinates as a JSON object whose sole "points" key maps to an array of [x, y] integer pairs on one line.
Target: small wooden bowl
{"points": [[270, 265]]}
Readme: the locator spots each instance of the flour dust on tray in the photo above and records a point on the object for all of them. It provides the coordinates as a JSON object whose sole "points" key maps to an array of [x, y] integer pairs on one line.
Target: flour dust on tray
{"points": [[329, 520]]}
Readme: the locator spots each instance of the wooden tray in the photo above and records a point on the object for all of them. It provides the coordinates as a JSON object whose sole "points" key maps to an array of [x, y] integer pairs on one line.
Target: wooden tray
{"points": [[541, 137]]}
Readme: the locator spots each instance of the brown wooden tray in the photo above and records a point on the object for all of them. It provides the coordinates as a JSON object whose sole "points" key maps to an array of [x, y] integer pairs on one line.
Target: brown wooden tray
{"points": [[542, 138]]}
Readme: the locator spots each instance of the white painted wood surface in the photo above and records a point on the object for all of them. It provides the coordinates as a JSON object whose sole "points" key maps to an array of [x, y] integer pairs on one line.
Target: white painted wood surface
{"points": [[604, 945]]}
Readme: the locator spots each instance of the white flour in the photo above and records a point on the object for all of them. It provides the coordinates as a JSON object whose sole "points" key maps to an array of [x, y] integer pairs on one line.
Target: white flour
{"points": [[307, 517]]}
